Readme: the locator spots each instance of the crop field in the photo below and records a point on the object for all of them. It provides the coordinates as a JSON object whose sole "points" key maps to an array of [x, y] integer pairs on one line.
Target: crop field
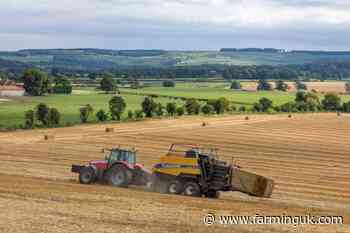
{"points": [[322, 87], [307, 156]]}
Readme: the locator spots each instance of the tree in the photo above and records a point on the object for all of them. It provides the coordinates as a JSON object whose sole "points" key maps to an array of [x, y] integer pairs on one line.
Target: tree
{"points": [[300, 86], [36, 82], [346, 107], [307, 101], [180, 111], [331, 102], [107, 83], [171, 108], [207, 109], [29, 119], [168, 83], [54, 117], [148, 106], [347, 87], [62, 86], [264, 85], [42, 114], [130, 115], [281, 86], [300, 96], [192, 106], [85, 113], [288, 107], [242, 108], [236, 85], [159, 110], [220, 105], [101, 115], [139, 114], [263, 106], [117, 106], [312, 102]]}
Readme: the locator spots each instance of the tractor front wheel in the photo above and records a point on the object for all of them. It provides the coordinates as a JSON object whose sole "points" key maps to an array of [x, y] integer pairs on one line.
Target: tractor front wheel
{"points": [[119, 176], [86, 175]]}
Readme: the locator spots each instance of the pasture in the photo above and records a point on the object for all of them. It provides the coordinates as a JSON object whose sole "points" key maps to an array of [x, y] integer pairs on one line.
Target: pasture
{"points": [[12, 109]]}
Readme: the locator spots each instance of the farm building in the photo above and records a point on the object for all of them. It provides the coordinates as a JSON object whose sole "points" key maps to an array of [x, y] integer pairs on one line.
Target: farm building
{"points": [[10, 88]]}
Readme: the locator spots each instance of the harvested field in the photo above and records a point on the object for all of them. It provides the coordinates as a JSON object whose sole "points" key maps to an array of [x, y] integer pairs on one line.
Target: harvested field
{"points": [[321, 87], [308, 156]]}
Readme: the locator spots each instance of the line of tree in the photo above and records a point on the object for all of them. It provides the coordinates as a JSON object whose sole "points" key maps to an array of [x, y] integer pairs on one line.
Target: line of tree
{"points": [[71, 66], [42, 116], [280, 85], [305, 102], [38, 83]]}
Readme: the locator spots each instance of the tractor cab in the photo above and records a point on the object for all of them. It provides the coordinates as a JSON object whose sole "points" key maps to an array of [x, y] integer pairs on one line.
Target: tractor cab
{"points": [[121, 155]]}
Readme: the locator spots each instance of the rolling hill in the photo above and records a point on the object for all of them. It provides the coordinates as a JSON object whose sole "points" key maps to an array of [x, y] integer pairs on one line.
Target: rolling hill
{"points": [[87, 59]]}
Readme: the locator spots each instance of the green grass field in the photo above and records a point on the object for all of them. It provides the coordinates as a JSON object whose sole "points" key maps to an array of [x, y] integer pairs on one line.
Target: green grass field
{"points": [[214, 90], [209, 92], [12, 112]]}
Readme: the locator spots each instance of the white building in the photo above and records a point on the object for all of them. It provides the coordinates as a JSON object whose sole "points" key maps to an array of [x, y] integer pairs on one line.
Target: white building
{"points": [[11, 90]]}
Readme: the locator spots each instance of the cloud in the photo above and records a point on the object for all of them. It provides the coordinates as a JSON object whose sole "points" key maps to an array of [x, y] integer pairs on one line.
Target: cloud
{"points": [[208, 23]]}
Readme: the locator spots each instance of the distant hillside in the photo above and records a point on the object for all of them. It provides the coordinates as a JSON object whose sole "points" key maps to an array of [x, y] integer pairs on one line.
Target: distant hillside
{"points": [[89, 59], [13, 66], [269, 50]]}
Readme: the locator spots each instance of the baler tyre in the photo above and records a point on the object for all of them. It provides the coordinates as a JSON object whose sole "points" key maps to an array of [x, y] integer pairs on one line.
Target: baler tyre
{"points": [[119, 176], [212, 194], [175, 187], [192, 189], [86, 175]]}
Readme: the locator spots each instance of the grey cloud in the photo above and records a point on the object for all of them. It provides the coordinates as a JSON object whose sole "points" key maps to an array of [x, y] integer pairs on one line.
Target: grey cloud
{"points": [[175, 24]]}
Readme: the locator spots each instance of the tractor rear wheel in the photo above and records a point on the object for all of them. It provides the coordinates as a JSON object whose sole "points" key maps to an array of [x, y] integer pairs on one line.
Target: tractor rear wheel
{"points": [[175, 187], [192, 189], [86, 175], [119, 176]]}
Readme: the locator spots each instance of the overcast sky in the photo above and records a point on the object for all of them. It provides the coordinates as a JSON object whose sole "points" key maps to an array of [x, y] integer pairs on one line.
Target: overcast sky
{"points": [[175, 24]]}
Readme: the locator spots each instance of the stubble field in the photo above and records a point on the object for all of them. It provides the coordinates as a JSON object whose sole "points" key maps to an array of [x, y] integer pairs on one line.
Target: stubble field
{"points": [[307, 156]]}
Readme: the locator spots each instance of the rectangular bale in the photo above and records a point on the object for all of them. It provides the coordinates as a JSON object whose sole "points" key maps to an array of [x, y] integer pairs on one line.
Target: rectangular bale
{"points": [[251, 183]]}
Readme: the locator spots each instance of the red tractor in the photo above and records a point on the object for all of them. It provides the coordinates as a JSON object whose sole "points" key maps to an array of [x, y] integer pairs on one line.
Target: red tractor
{"points": [[118, 169]]}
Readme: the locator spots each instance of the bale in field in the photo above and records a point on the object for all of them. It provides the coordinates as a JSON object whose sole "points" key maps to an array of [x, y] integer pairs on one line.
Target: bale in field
{"points": [[252, 184], [49, 137], [246, 118], [290, 116], [204, 124], [109, 130]]}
